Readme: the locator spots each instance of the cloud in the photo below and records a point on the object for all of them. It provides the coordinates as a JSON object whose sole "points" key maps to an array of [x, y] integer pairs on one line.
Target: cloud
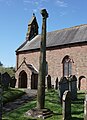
{"points": [[61, 3], [63, 13], [44, 0], [27, 1], [34, 10], [25, 9], [7, 2], [36, 4], [1, 0]]}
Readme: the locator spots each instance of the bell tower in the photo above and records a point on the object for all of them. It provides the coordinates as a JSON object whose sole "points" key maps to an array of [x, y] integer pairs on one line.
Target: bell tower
{"points": [[32, 28]]}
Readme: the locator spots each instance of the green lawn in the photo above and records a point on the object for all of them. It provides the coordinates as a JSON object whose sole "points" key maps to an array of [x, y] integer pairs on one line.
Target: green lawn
{"points": [[52, 102], [11, 94]]}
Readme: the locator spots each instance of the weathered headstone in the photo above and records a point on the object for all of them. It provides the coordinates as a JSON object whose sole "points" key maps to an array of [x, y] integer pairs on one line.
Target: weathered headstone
{"points": [[85, 108], [48, 82], [73, 86], [13, 82], [56, 83], [5, 80], [1, 101], [63, 86], [66, 102]]}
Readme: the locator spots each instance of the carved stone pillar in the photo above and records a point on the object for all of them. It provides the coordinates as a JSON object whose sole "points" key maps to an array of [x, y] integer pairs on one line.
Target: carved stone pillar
{"points": [[42, 63]]}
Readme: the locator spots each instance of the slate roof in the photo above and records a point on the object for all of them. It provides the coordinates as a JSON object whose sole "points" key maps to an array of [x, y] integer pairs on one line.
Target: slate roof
{"points": [[32, 68], [76, 34]]}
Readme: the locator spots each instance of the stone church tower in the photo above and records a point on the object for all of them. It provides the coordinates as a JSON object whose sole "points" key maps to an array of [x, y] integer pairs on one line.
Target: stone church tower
{"points": [[32, 28]]}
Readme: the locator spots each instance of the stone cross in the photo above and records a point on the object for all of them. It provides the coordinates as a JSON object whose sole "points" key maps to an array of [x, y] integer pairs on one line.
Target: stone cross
{"points": [[66, 102], [42, 63]]}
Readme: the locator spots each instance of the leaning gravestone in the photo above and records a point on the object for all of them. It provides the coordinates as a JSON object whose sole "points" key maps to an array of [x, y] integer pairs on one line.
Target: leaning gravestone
{"points": [[63, 86], [85, 108], [73, 86], [66, 102]]}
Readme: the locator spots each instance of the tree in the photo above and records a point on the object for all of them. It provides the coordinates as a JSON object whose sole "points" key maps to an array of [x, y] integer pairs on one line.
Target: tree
{"points": [[1, 63]]}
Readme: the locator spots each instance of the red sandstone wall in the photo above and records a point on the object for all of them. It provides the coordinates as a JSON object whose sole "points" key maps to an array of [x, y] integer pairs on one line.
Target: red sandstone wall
{"points": [[55, 57]]}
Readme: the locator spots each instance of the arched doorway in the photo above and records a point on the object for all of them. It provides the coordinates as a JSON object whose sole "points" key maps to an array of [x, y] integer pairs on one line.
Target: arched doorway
{"points": [[22, 79], [34, 81]]}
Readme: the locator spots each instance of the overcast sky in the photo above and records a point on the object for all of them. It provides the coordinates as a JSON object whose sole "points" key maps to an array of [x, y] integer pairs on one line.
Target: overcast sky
{"points": [[15, 15]]}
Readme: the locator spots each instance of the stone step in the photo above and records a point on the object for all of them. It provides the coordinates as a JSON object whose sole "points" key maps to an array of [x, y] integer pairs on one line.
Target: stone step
{"points": [[47, 116], [39, 113], [47, 112]]}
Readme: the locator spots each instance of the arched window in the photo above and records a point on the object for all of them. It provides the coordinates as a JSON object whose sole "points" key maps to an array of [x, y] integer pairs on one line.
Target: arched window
{"points": [[67, 66]]}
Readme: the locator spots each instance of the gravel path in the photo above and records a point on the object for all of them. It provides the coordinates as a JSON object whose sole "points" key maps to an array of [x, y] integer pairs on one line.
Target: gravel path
{"points": [[30, 95]]}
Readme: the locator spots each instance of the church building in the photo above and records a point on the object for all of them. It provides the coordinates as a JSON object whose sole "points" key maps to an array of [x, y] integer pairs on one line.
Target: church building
{"points": [[66, 54]]}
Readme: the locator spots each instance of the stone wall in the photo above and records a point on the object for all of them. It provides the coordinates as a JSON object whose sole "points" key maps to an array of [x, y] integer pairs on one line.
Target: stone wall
{"points": [[54, 59]]}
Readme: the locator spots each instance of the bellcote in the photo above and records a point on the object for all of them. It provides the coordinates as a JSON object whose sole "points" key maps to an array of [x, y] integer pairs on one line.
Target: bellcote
{"points": [[32, 28]]}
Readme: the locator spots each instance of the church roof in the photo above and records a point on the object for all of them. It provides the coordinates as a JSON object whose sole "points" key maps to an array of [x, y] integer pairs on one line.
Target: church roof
{"points": [[67, 36]]}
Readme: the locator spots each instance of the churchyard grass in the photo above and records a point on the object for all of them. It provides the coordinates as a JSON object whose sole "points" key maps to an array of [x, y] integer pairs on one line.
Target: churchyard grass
{"points": [[11, 94], [52, 102]]}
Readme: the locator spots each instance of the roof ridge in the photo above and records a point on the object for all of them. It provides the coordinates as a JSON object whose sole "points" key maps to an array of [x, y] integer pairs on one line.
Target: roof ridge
{"points": [[68, 28]]}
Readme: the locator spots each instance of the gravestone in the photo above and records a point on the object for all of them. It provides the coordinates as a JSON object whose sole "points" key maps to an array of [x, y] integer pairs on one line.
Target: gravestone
{"points": [[48, 82], [85, 108], [56, 83], [1, 101], [13, 82], [73, 86], [66, 102], [63, 86], [5, 80]]}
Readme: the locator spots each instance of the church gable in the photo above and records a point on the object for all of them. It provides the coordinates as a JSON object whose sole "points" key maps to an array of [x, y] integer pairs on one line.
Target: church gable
{"points": [[27, 67], [23, 66]]}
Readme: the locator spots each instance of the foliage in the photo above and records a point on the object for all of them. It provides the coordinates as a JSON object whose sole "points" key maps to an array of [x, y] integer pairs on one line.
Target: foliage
{"points": [[9, 70], [1, 63], [52, 102], [11, 95]]}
